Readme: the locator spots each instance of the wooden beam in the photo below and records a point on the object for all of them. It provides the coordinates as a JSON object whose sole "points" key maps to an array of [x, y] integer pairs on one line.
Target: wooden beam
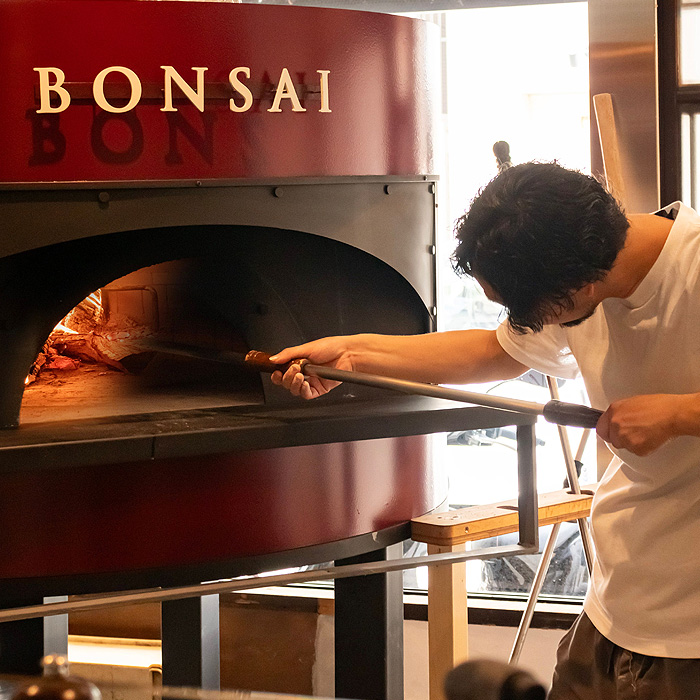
{"points": [[610, 146], [447, 619], [480, 522]]}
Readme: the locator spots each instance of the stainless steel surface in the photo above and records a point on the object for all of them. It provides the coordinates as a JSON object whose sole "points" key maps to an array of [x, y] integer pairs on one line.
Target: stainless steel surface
{"points": [[56, 629], [245, 583], [528, 511], [623, 63]]}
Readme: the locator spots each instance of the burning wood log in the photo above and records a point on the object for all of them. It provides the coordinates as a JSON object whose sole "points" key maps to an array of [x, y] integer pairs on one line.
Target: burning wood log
{"points": [[89, 347], [86, 335]]}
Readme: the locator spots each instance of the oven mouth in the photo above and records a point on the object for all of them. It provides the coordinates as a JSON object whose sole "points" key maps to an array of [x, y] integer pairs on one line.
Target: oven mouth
{"points": [[281, 267], [96, 362], [223, 288]]}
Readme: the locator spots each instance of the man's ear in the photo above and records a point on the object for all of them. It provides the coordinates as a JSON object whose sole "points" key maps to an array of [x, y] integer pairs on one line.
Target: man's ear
{"points": [[590, 290]]}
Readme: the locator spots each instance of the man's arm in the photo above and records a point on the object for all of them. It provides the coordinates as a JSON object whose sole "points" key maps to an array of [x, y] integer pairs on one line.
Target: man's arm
{"points": [[641, 424], [453, 357]]}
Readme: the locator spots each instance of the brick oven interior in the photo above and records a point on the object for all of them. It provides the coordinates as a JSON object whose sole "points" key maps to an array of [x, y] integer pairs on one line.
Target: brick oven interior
{"points": [[223, 288]]}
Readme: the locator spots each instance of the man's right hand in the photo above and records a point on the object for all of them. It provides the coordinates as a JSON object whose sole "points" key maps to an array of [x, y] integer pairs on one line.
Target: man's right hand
{"points": [[331, 352], [450, 357]]}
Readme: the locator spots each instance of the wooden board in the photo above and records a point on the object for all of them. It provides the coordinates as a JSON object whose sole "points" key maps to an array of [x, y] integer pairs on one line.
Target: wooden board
{"points": [[480, 522], [610, 146]]}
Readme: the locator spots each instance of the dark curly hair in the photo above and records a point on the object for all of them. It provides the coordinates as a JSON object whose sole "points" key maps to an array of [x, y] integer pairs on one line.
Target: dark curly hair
{"points": [[538, 233]]}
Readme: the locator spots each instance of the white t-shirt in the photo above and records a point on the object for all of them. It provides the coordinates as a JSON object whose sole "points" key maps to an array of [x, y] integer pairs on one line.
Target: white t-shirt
{"points": [[645, 586]]}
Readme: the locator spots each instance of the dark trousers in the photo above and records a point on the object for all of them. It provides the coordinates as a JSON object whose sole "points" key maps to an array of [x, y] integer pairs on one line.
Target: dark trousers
{"points": [[590, 667]]}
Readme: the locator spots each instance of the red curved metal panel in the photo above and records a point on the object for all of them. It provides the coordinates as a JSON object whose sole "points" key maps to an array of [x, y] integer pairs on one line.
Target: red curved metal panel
{"points": [[377, 88], [333, 94], [168, 513]]}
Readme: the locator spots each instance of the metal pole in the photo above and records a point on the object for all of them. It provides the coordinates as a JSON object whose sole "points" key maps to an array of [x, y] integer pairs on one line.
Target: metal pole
{"points": [[526, 619], [554, 411], [419, 388], [548, 552], [528, 510], [261, 581], [538, 583], [573, 480]]}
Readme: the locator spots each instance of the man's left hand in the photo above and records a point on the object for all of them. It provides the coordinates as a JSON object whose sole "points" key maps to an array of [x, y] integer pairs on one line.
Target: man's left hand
{"points": [[642, 424]]}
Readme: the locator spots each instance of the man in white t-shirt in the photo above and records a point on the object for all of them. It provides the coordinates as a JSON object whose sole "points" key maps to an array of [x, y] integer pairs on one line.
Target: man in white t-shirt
{"points": [[616, 299]]}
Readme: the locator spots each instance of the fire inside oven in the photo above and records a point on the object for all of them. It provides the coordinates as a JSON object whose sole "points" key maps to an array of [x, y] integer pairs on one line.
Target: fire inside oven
{"points": [[96, 361], [211, 287]]}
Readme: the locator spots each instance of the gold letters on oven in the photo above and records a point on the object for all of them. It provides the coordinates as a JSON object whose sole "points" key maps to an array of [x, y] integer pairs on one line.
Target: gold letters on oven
{"points": [[54, 97]]}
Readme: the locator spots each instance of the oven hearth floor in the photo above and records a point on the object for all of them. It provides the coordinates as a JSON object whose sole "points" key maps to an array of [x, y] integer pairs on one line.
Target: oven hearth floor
{"points": [[97, 391]]}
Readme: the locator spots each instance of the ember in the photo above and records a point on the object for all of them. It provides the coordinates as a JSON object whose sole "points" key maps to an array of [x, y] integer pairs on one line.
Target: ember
{"points": [[95, 361], [88, 335]]}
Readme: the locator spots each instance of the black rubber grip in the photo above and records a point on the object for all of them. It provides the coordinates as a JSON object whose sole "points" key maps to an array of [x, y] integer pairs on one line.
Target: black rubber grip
{"points": [[571, 414]]}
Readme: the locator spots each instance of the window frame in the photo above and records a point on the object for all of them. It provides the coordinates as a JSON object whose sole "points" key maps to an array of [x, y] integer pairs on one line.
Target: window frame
{"points": [[675, 99]]}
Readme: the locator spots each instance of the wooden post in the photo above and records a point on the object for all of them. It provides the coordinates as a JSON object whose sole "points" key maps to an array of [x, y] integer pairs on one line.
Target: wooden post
{"points": [[447, 618], [612, 164], [610, 146]]}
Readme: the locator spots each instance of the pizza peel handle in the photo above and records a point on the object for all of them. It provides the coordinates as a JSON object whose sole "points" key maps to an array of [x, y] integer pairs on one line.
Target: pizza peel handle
{"points": [[571, 414], [559, 412]]}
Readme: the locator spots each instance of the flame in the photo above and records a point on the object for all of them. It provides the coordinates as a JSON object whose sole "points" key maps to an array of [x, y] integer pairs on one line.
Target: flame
{"points": [[71, 325], [92, 301], [61, 327]]}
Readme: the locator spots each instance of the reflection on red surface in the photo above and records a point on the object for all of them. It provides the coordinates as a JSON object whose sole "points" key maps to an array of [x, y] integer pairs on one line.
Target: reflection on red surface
{"points": [[376, 79], [372, 116], [164, 513]]}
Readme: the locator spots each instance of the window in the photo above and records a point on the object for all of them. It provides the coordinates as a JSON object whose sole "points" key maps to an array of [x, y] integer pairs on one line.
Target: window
{"points": [[689, 54], [678, 23], [689, 100], [520, 75], [516, 73]]}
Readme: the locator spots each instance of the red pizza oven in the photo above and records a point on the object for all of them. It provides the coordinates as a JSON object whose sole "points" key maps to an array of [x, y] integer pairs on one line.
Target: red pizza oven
{"points": [[231, 176]]}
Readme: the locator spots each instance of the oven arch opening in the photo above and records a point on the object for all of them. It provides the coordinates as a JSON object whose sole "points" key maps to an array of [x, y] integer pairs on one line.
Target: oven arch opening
{"points": [[222, 287]]}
